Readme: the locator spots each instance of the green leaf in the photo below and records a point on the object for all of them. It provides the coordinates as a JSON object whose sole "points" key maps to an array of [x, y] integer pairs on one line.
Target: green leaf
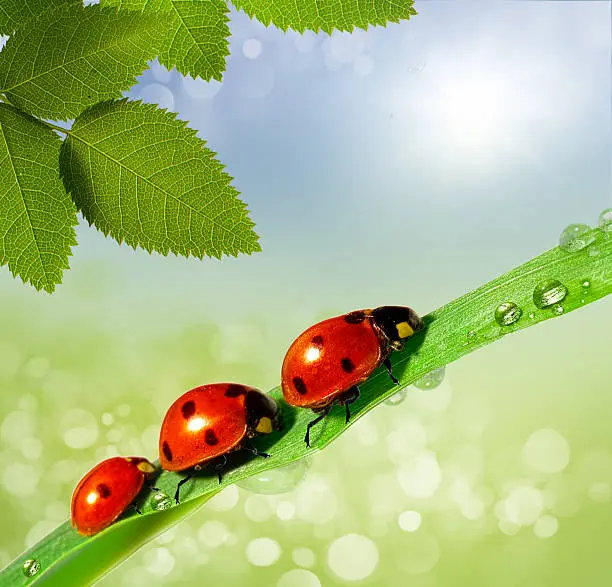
{"points": [[13, 13], [144, 177], [75, 57], [37, 216], [326, 15], [197, 34], [456, 329], [78, 561]]}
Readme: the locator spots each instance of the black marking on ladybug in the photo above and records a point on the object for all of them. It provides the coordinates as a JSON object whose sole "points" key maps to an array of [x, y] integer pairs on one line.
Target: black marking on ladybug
{"points": [[355, 317], [234, 390], [188, 409], [347, 365], [317, 341], [166, 450], [210, 437], [300, 386], [103, 490]]}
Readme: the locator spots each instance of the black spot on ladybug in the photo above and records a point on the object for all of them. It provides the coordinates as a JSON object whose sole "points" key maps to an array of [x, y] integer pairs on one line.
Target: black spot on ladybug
{"points": [[355, 317], [103, 490], [317, 341], [234, 390], [300, 386], [347, 365], [166, 450], [210, 437], [188, 409]]}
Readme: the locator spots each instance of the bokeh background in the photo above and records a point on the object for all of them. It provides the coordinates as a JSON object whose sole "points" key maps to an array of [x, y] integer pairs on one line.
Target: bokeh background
{"points": [[404, 165]]}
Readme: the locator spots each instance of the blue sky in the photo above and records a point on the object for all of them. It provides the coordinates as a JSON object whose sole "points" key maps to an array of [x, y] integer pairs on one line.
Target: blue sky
{"points": [[459, 143]]}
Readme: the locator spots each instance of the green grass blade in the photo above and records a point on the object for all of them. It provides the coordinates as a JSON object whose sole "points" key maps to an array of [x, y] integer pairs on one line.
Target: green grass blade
{"points": [[452, 331], [68, 559]]}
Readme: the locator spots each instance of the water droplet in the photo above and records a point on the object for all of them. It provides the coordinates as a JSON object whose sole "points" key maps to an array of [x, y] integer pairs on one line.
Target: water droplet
{"points": [[352, 557], [586, 283], [31, 567], [160, 501], [546, 527], [532, 315], [593, 251], [409, 521], [605, 220], [547, 451], [548, 293], [298, 578], [396, 398], [558, 309], [507, 313], [279, 480], [251, 48], [600, 492], [575, 237], [263, 552], [431, 380], [303, 557]]}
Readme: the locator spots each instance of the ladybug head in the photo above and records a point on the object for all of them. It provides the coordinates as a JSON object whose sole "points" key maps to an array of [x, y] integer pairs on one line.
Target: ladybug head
{"points": [[263, 414], [142, 465], [397, 323]]}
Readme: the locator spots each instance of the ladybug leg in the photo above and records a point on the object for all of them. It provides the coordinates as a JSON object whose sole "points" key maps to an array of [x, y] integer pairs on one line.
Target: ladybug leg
{"points": [[316, 421], [178, 487], [220, 466], [134, 506], [352, 395], [248, 446], [387, 364], [151, 486]]}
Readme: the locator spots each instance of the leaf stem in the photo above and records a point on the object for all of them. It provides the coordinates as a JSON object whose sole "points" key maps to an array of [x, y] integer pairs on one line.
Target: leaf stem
{"points": [[52, 126], [55, 127]]}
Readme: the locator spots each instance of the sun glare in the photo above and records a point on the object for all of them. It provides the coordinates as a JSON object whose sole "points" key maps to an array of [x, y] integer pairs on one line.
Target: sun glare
{"points": [[196, 424], [468, 112], [312, 354], [474, 110]]}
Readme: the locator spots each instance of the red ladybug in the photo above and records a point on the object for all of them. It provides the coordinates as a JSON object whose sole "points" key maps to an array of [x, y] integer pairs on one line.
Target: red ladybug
{"points": [[106, 491], [210, 421], [325, 364]]}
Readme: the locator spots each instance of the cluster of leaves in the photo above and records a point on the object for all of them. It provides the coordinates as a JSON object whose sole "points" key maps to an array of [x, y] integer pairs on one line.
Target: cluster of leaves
{"points": [[134, 171]]}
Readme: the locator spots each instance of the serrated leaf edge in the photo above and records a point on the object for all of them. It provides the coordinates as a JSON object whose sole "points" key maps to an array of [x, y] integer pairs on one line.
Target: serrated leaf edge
{"points": [[192, 134]]}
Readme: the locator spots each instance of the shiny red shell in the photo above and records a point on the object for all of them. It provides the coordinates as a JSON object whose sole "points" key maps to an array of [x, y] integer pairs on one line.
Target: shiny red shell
{"points": [[329, 358], [106, 491], [202, 424]]}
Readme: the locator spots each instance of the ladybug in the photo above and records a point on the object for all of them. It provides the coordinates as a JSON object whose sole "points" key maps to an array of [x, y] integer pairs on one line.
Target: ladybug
{"points": [[325, 364], [209, 421], [104, 493]]}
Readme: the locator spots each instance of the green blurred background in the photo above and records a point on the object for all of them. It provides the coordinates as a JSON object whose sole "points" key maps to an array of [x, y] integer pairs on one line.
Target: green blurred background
{"points": [[404, 165]]}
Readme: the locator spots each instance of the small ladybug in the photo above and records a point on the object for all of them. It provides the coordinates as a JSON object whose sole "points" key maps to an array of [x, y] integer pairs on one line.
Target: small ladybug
{"points": [[210, 421], [325, 364], [104, 493]]}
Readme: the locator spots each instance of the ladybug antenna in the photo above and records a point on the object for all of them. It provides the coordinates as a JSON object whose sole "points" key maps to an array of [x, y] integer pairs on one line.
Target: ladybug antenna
{"points": [[397, 323]]}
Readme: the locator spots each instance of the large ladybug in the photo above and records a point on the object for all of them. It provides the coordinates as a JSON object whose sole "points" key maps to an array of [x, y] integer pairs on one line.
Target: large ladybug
{"points": [[106, 491], [210, 421], [325, 364]]}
